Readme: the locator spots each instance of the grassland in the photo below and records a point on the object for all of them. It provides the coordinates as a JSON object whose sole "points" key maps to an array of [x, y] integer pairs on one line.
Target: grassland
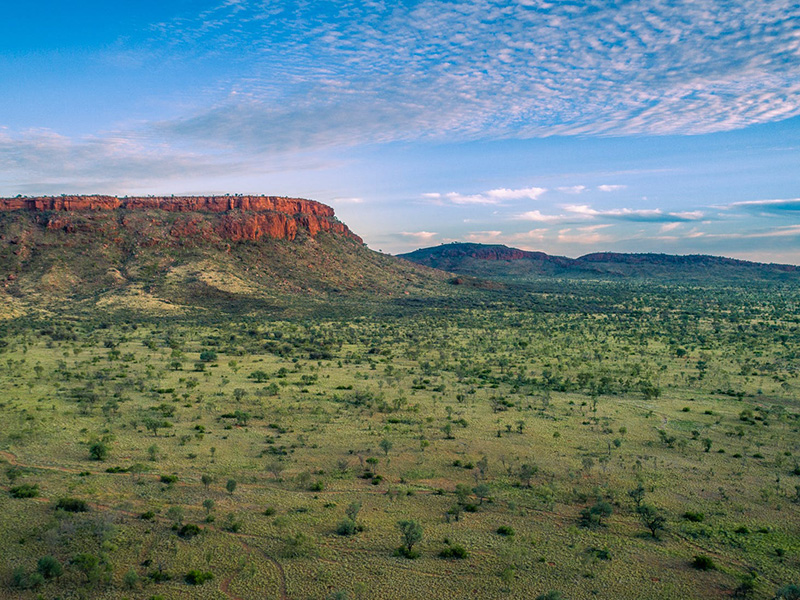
{"points": [[519, 409]]}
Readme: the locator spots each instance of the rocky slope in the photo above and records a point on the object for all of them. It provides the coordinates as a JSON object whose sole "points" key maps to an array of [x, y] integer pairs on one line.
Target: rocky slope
{"points": [[174, 252]]}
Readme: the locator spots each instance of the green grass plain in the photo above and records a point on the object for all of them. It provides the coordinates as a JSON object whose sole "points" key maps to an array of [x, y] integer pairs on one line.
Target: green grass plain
{"points": [[597, 388]]}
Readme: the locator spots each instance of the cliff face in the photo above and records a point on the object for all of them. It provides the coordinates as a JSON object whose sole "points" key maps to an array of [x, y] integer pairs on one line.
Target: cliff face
{"points": [[212, 218]]}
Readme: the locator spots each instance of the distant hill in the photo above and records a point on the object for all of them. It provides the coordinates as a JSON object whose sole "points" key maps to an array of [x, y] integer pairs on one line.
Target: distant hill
{"points": [[495, 261], [168, 254]]}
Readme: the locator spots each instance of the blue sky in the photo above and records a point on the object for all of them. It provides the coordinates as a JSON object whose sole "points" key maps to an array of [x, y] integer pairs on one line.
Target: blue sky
{"points": [[568, 127]]}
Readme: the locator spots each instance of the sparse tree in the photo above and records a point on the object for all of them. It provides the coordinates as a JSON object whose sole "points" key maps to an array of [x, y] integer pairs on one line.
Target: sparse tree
{"points": [[411, 532], [652, 518]]}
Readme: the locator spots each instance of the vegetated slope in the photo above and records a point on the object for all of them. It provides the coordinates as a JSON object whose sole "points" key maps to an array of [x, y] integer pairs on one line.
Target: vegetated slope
{"points": [[166, 254], [495, 261]]}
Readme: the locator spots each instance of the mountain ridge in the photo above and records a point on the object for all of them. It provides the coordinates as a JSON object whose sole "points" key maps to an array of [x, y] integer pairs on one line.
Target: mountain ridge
{"points": [[504, 262]]}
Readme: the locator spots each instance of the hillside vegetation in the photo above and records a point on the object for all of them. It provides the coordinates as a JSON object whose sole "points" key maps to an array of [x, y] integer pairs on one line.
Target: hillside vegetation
{"points": [[495, 261]]}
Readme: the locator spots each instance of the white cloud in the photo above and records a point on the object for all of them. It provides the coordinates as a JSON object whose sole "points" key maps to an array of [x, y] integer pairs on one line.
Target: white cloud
{"points": [[633, 214], [496, 196], [531, 193], [584, 235], [398, 71], [535, 215], [573, 189], [610, 188], [484, 237], [420, 235]]}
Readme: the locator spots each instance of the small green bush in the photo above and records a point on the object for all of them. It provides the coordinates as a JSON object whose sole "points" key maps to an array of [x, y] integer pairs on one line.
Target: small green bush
{"points": [[196, 577], [455, 551], [694, 517], [189, 530], [505, 530], [49, 567], [25, 490], [701, 562], [72, 505]]}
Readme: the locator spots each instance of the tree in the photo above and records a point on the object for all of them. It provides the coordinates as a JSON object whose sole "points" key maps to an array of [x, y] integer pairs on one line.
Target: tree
{"points": [[637, 495], [788, 592], [276, 467], [89, 565], [526, 473], [411, 532], [206, 479], [386, 445], [130, 579], [49, 567], [352, 511], [231, 486], [208, 504], [98, 451], [593, 516], [481, 491], [651, 518], [259, 376]]}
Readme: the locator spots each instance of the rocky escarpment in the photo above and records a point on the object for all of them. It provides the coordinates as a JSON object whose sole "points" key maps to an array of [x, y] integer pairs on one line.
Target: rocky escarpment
{"points": [[198, 218], [155, 254]]}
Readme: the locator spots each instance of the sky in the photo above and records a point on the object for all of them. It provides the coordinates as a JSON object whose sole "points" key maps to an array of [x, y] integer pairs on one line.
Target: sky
{"points": [[562, 126]]}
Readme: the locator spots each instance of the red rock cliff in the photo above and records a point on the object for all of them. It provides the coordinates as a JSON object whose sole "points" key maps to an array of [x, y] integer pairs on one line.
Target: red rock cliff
{"points": [[243, 217]]}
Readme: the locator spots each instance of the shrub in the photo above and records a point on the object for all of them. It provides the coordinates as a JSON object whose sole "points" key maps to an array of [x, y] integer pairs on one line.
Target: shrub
{"points": [[169, 479], [551, 595], [694, 517], [49, 567], [25, 490], [98, 451], [23, 580], [297, 546], [72, 505], [130, 579], [505, 530], [455, 551], [196, 577], [593, 516], [701, 562], [189, 530], [347, 527], [788, 592]]}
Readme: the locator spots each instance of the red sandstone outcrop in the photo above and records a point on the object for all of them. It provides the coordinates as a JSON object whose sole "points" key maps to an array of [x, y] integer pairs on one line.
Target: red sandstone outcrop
{"points": [[235, 218]]}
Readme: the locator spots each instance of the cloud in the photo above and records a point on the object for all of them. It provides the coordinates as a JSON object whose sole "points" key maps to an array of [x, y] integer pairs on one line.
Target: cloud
{"points": [[109, 163], [484, 237], [377, 71], [610, 188], [768, 206], [419, 235], [633, 214], [531, 193], [347, 201], [574, 189], [496, 196], [784, 231], [535, 215], [584, 235]]}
